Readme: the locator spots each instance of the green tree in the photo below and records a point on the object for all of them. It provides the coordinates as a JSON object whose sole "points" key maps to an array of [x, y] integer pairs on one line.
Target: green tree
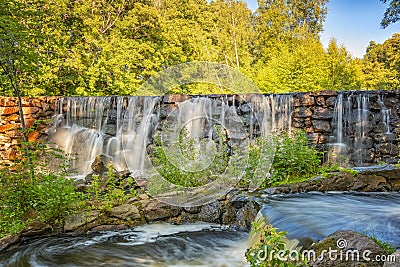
{"points": [[341, 72], [22, 46], [280, 22], [18, 46], [381, 64], [294, 69], [232, 34], [114, 45], [392, 13], [287, 51]]}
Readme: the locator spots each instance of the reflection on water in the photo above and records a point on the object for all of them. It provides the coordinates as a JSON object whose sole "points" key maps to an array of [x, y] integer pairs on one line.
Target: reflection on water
{"points": [[149, 245], [316, 215]]}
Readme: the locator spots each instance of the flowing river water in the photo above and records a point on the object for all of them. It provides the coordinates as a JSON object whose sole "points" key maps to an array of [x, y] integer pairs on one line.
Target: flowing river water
{"points": [[309, 216]]}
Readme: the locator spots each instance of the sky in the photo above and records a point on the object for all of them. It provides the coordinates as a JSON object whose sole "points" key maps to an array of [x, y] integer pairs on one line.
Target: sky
{"points": [[353, 23]]}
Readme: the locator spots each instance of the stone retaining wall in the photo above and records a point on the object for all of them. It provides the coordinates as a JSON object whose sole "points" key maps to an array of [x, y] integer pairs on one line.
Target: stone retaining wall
{"points": [[35, 110], [312, 112]]}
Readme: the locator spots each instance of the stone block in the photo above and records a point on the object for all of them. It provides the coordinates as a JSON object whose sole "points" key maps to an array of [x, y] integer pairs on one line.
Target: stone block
{"points": [[302, 112], [13, 117], [320, 100], [321, 126], [307, 100], [322, 113], [7, 102], [8, 127], [8, 110]]}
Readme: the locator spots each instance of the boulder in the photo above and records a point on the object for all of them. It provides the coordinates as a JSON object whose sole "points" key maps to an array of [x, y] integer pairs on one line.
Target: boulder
{"points": [[154, 210], [125, 212], [347, 249], [36, 228], [393, 260], [211, 212], [79, 220], [101, 164], [9, 242]]}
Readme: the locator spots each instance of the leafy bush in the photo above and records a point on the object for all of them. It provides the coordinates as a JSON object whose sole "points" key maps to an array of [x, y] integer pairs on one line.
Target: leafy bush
{"points": [[30, 191], [270, 250], [106, 192], [189, 148], [294, 159]]}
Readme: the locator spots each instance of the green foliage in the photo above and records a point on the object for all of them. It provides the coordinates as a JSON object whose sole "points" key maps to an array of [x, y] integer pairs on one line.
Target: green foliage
{"points": [[271, 242], [384, 245], [381, 64], [66, 47], [341, 71], [30, 191], [392, 13], [106, 192], [189, 148], [294, 159]]}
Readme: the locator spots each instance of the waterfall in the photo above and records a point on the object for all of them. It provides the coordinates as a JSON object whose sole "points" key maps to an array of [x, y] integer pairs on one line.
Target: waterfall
{"points": [[361, 133], [351, 124], [117, 127], [385, 112], [273, 113], [338, 148], [193, 116]]}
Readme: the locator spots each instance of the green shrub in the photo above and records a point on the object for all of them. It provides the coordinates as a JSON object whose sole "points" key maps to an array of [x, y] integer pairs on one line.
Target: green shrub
{"points": [[270, 250], [188, 147], [294, 160], [30, 191], [107, 192]]}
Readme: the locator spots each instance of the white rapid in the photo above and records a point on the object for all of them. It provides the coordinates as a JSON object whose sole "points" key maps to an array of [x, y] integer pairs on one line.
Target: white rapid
{"points": [[153, 245]]}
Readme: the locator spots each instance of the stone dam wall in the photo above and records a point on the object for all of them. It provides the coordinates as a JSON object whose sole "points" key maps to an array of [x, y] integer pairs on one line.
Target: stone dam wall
{"points": [[363, 125]]}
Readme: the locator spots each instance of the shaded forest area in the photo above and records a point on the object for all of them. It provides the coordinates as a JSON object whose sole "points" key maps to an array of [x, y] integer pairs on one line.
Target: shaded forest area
{"points": [[110, 47]]}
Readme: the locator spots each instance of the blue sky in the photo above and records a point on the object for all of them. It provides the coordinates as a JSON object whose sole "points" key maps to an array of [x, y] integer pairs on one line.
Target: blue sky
{"points": [[353, 23]]}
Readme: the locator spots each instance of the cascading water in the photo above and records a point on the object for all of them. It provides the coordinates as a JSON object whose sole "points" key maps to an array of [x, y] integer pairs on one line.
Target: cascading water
{"points": [[117, 127], [307, 217], [273, 113], [361, 130], [338, 147], [351, 123], [385, 113], [149, 245]]}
